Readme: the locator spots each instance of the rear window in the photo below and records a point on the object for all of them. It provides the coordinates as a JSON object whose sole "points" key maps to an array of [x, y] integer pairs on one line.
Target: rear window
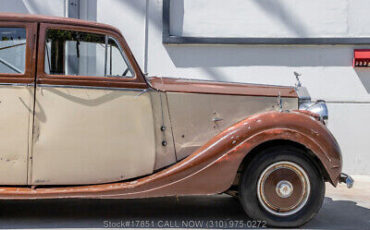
{"points": [[12, 50]]}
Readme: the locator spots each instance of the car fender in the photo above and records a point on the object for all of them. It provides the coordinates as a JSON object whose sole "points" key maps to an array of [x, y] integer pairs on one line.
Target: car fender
{"points": [[295, 126]]}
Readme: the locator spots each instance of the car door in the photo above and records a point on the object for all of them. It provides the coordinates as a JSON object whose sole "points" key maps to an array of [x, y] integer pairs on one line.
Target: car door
{"points": [[93, 120], [17, 57]]}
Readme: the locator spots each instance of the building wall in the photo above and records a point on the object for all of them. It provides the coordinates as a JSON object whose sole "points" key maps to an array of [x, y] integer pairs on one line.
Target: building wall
{"points": [[326, 70], [55, 8]]}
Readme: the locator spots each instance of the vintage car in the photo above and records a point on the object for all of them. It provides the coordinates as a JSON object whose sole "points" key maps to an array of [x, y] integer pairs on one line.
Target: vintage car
{"points": [[79, 119]]}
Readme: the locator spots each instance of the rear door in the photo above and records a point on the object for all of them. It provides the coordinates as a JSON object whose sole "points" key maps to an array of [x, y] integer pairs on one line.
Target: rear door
{"points": [[17, 73], [93, 123]]}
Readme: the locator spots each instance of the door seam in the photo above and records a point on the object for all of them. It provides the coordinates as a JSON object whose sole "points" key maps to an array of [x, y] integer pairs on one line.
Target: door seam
{"points": [[32, 132]]}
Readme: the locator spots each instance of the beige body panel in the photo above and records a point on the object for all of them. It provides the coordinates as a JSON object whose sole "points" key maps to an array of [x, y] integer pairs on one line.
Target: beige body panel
{"points": [[196, 118], [16, 103], [165, 148], [91, 136]]}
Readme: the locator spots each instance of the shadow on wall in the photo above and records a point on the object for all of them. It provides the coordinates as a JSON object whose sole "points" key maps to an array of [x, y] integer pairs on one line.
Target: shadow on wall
{"points": [[32, 7], [17, 6], [232, 55], [186, 56], [88, 10], [284, 15], [177, 17], [364, 76], [139, 7], [20, 6], [208, 57]]}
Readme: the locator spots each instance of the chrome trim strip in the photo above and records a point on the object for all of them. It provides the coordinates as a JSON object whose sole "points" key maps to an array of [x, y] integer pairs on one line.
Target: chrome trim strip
{"points": [[190, 80], [125, 58], [88, 87], [105, 55], [17, 84], [347, 102], [73, 86]]}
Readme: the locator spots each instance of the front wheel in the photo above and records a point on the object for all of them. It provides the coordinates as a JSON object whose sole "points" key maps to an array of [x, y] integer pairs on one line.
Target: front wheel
{"points": [[282, 186]]}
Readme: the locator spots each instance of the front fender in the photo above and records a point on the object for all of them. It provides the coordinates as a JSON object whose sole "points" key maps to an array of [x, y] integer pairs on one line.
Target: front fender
{"points": [[293, 126]]}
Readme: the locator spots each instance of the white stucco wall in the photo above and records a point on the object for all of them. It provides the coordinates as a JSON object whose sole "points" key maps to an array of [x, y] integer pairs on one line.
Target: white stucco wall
{"points": [[55, 8], [326, 71], [271, 18]]}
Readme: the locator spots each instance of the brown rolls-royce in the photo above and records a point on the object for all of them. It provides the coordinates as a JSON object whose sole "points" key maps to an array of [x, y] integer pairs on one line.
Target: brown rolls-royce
{"points": [[79, 119]]}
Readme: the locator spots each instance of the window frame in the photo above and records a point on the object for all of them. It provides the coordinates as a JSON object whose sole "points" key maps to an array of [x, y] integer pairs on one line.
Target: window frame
{"points": [[136, 81], [28, 75], [123, 55]]}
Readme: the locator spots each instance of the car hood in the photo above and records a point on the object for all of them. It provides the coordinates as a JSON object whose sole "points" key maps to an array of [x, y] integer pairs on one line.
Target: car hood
{"points": [[166, 84]]}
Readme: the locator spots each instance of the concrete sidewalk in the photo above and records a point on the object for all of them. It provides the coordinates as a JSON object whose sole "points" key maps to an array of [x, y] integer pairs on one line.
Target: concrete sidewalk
{"points": [[343, 209]]}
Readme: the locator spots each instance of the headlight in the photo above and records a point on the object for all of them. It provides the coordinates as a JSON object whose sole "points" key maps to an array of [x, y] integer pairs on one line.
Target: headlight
{"points": [[319, 107]]}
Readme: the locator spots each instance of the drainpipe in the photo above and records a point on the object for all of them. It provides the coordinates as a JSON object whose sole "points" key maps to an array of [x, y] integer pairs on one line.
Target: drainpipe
{"points": [[146, 30], [66, 3]]}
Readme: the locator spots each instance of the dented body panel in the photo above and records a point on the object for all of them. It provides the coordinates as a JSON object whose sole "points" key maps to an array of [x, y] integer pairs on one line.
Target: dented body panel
{"points": [[16, 103], [90, 136]]}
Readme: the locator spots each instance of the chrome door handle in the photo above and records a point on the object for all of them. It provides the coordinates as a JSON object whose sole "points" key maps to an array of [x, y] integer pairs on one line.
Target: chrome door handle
{"points": [[217, 119]]}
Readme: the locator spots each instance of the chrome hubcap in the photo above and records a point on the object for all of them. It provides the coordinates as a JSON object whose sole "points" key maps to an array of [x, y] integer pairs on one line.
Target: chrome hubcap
{"points": [[284, 189]]}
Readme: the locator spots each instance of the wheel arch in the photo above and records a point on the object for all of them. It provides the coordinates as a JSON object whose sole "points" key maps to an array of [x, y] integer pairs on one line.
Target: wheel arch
{"points": [[254, 152]]}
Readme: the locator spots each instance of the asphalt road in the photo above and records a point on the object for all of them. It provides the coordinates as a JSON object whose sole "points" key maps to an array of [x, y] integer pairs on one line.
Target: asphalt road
{"points": [[342, 209]]}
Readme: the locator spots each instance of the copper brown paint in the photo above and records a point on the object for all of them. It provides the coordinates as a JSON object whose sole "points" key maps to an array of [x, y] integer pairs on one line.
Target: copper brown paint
{"points": [[213, 167], [197, 86]]}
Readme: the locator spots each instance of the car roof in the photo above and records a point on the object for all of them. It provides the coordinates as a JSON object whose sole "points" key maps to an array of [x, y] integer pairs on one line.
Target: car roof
{"points": [[15, 17]]}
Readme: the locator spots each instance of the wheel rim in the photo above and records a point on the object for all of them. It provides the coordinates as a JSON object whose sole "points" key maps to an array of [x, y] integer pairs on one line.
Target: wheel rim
{"points": [[283, 188]]}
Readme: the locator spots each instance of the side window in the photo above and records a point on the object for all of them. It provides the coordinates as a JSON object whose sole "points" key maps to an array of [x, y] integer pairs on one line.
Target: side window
{"points": [[84, 54], [12, 50]]}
